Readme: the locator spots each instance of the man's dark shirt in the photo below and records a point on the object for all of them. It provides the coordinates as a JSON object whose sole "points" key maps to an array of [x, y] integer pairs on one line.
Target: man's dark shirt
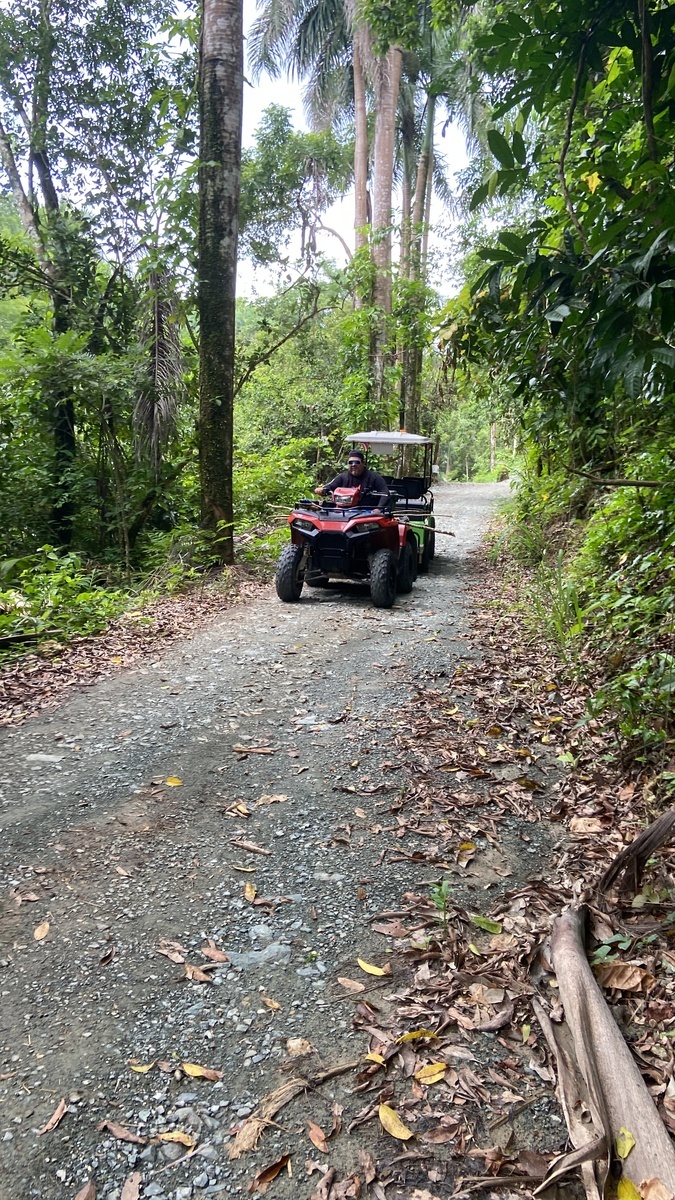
{"points": [[373, 487]]}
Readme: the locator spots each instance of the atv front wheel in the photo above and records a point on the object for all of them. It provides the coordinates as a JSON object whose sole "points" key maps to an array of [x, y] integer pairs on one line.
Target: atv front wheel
{"points": [[406, 570], [383, 575], [289, 578]]}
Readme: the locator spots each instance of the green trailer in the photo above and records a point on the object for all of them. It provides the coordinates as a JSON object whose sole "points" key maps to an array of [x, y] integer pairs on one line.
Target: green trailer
{"points": [[409, 458]]}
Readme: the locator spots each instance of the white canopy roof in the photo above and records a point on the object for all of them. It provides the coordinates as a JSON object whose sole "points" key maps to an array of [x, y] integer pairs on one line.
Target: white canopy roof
{"points": [[389, 437]]}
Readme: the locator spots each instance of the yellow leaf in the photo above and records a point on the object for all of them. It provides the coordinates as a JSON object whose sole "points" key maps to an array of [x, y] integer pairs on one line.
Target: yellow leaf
{"points": [[416, 1033], [593, 181], [370, 969], [624, 1142], [475, 950], [173, 781], [376, 1058], [392, 1123], [432, 1073], [250, 891], [197, 1072], [525, 1032], [41, 932], [270, 1003], [482, 751], [141, 1068], [626, 1190], [177, 1135]]}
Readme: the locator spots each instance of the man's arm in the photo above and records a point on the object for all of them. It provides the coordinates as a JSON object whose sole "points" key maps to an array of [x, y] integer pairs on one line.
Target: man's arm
{"points": [[330, 487]]}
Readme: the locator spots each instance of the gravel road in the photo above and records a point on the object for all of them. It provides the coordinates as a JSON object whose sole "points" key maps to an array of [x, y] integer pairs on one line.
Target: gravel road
{"points": [[120, 814]]}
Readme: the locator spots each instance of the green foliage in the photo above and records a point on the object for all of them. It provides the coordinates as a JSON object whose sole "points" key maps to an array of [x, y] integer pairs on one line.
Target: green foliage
{"points": [[277, 478], [287, 181], [54, 596]]}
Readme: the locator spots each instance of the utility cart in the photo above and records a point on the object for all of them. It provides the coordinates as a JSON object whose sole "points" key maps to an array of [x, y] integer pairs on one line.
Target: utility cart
{"points": [[413, 499]]}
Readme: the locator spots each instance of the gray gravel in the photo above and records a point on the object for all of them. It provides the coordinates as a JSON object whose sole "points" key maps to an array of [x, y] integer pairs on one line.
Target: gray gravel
{"points": [[117, 860]]}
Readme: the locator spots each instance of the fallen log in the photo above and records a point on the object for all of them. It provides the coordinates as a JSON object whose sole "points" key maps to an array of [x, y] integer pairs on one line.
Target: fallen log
{"points": [[600, 1087], [634, 857]]}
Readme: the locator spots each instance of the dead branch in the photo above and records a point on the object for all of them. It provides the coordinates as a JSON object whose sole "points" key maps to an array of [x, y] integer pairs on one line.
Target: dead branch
{"points": [[597, 1073], [601, 481], [634, 856]]}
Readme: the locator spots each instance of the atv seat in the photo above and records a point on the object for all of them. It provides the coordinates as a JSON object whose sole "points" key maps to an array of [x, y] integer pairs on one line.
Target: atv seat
{"points": [[411, 487]]}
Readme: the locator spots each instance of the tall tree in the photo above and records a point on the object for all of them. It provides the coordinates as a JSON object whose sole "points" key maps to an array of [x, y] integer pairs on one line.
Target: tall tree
{"points": [[221, 82]]}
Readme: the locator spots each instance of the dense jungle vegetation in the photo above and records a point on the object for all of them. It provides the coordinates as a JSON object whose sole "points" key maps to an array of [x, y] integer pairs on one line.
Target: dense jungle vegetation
{"points": [[552, 363]]}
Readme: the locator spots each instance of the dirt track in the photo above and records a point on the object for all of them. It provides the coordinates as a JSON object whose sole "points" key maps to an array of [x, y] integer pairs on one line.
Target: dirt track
{"points": [[118, 858]]}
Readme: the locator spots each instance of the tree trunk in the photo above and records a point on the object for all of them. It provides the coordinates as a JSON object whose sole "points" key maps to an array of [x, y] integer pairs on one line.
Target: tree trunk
{"points": [[493, 446], [361, 213], [403, 350], [389, 78], [420, 218], [220, 113], [388, 81]]}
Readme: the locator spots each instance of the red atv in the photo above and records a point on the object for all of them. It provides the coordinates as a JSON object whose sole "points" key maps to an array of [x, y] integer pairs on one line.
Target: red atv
{"points": [[342, 539]]}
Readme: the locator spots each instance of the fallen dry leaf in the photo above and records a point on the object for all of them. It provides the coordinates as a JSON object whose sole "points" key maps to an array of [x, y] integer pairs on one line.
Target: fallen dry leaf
{"points": [[392, 929], [626, 977], [197, 1072], [119, 1132], [132, 1187], [88, 1192], [414, 1034], [370, 969], [55, 1119], [107, 958], [653, 1189], [122, 871], [195, 974], [351, 985], [270, 1003], [210, 950], [432, 1073], [250, 891], [298, 1046], [264, 1178], [177, 1135], [173, 781], [586, 825], [171, 950], [276, 798], [392, 1123], [317, 1136], [624, 1142], [41, 931], [141, 1068]]}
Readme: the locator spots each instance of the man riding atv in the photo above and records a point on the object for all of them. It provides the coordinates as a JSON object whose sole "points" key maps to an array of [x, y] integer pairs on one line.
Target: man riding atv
{"points": [[373, 486]]}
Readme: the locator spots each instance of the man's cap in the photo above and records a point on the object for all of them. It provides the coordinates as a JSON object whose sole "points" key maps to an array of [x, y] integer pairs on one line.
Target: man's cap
{"points": [[357, 454]]}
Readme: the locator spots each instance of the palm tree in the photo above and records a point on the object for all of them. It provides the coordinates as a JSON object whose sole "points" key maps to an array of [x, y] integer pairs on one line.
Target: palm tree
{"points": [[221, 80]]}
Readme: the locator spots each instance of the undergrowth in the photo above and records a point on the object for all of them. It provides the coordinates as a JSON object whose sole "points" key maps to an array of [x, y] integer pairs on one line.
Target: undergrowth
{"points": [[597, 569]]}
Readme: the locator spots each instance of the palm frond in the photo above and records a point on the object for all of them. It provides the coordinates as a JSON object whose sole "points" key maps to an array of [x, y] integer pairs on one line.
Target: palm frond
{"points": [[271, 36], [162, 385]]}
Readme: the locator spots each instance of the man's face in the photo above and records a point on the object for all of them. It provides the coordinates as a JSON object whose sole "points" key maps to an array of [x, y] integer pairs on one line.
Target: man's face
{"points": [[356, 466]]}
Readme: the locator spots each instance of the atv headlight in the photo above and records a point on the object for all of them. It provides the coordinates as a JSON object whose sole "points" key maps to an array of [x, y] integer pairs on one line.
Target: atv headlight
{"points": [[365, 527], [301, 523]]}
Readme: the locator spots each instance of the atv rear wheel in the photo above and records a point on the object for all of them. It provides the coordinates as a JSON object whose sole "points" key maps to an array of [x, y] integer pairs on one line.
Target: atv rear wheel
{"points": [[289, 578], [406, 570], [383, 575]]}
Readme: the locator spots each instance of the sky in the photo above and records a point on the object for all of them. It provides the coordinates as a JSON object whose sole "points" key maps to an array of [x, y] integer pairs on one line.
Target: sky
{"points": [[451, 143]]}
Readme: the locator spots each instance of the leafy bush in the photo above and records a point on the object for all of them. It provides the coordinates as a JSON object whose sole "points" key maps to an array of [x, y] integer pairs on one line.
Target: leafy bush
{"points": [[279, 478], [52, 595]]}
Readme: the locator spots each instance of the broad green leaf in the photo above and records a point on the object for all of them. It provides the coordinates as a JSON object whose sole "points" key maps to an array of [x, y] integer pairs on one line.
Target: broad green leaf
{"points": [[485, 923]]}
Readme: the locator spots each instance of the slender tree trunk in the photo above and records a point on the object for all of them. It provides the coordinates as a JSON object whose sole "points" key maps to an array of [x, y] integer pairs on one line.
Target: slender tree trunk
{"points": [[220, 113], [361, 213], [385, 134], [427, 215], [403, 350], [493, 445], [420, 219]]}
